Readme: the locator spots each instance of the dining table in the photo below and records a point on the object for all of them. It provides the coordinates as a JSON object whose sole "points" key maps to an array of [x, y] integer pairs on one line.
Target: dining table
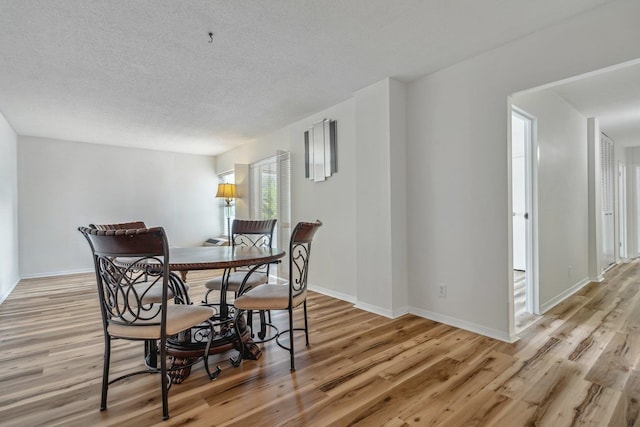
{"points": [[190, 345], [185, 259]]}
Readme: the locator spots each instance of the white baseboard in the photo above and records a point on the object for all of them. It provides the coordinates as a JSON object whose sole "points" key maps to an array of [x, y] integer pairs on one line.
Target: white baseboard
{"points": [[332, 293], [565, 294], [463, 324], [401, 311], [8, 291], [56, 273], [392, 314], [374, 309]]}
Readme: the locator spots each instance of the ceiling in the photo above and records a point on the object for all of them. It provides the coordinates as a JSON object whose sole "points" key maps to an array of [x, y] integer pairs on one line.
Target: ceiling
{"points": [[613, 96], [143, 74]]}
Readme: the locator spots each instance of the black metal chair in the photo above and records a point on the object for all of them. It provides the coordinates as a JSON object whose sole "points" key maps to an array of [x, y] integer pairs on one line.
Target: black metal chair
{"points": [[132, 309], [250, 233], [178, 290], [288, 296]]}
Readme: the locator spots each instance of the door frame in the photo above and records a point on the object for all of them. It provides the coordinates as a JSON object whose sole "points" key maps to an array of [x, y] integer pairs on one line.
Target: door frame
{"points": [[531, 204]]}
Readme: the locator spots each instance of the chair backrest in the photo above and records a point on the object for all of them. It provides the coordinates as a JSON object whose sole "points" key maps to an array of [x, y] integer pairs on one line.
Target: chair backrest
{"points": [[134, 225], [299, 254], [253, 233], [121, 293]]}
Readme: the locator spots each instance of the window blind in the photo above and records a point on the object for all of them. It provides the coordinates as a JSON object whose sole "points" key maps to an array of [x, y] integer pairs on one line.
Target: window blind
{"points": [[270, 197]]}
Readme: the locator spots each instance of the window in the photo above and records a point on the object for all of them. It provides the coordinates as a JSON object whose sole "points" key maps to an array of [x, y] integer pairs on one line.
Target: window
{"points": [[270, 197]]}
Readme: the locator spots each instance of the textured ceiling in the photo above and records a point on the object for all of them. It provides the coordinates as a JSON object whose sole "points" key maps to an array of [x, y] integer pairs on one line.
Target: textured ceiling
{"points": [[143, 74]]}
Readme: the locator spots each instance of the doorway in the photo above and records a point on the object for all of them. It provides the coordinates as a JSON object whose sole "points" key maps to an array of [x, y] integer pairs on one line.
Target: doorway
{"points": [[522, 172]]}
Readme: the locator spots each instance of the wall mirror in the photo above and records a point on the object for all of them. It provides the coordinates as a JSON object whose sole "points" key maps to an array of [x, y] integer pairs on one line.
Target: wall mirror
{"points": [[320, 151]]}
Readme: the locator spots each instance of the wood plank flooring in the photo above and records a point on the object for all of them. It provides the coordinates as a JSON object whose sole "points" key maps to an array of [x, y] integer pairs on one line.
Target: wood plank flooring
{"points": [[578, 365], [523, 319]]}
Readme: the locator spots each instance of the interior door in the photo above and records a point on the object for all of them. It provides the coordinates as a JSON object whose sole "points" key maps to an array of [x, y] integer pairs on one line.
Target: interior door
{"points": [[518, 171], [522, 198]]}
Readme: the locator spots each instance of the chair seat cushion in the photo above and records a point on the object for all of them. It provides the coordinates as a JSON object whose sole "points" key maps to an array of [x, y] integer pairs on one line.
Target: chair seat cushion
{"points": [[235, 280], [148, 292], [268, 297], [179, 318]]}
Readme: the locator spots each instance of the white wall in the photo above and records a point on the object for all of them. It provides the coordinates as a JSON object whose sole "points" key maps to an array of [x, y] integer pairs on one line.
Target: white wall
{"points": [[9, 264], [373, 198], [398, 199], [63, 185], [333, 264], [381, 207], [632, 158], [563, 228], [457, 161]]}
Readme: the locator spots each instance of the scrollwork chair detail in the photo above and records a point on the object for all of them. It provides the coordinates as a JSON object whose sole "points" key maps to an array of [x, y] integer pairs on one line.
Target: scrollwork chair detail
{"points": [[288, 296], [249, 233], [178, 290], [134, 310]]}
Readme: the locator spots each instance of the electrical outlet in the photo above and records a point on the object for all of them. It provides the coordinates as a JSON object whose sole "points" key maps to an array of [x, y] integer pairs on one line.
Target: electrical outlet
{"points": [[442, 290], [569, 271]]}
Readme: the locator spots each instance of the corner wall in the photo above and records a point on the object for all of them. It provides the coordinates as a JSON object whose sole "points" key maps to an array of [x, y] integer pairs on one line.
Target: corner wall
{"points": [[9, 261], [360, 252], [381, 208], [64, 184]]}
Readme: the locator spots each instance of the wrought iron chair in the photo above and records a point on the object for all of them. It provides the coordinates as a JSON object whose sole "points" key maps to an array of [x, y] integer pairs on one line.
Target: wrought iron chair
{"points": [[178, 290], [251, 233], [289, 296], [131, 309]]}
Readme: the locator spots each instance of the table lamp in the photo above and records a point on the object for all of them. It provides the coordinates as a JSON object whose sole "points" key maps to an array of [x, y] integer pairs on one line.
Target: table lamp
{"points": [[228, 193]]}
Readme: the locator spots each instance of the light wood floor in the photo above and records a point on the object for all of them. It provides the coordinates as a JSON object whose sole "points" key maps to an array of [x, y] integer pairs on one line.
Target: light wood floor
{"points": [[523, 319], [577, 365]]}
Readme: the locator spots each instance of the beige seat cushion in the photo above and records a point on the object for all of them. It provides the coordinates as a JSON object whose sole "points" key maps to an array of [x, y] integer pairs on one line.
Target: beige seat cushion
{"points": [[268, 297], [235, 280], [179, 318], [148, 295]]}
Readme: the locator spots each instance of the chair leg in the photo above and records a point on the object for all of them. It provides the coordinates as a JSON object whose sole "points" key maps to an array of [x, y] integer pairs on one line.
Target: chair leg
{"points": [[164, 380], [306, 323], [105, 372], [263, 325], [206, 354], [151, 353], [293, 368], [250, 321]]}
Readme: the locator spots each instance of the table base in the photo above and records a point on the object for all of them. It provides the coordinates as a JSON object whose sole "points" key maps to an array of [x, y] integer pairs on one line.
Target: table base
{"points": [[187, 347]]}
